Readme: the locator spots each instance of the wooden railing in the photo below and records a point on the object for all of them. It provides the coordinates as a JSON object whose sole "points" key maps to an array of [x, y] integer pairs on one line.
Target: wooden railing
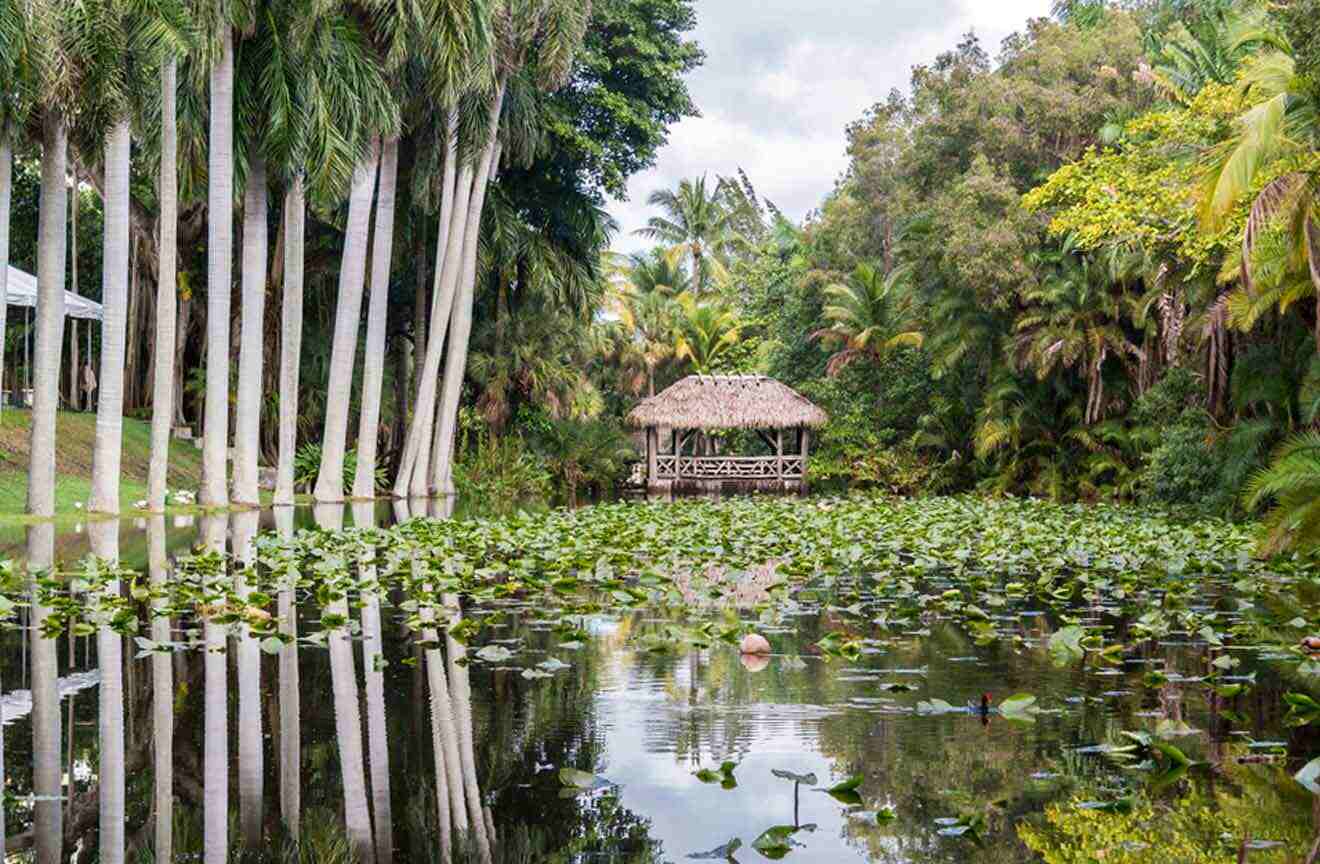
{"points": [[730, 467]]}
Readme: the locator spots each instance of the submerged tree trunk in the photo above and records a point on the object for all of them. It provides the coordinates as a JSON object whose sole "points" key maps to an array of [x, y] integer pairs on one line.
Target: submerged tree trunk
{"points": [[373, 360], [247, 436], [462, 693], [343, 351], [291, 318], [50, 317], [107, 452], [162, 694], [219, 267], [162, 389]]}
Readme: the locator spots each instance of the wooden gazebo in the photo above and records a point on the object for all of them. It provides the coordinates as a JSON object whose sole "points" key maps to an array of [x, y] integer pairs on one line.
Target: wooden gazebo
{"points": [[710, 402]]}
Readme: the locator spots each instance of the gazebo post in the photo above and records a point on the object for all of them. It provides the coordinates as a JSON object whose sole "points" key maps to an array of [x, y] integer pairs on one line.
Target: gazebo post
{"points": [[779, 456], [652, 445]]}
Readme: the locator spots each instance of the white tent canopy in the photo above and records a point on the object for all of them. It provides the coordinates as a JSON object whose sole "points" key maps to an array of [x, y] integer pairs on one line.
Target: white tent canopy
{"points": [[22, 291]]}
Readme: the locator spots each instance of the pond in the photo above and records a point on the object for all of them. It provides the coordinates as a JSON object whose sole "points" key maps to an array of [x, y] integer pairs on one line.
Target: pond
{"points": [[948, 681]]}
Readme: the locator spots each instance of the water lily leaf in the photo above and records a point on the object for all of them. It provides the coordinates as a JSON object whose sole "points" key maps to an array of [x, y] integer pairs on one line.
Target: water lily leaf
{"points": [[847, 797], [494, 654], [1302, 709], [807, 779], [937, 706], [1065, 645], [851, 784], [1020, 707], [534, 674], [574, 778], [719, 853], [775, 842], [553, 664]]}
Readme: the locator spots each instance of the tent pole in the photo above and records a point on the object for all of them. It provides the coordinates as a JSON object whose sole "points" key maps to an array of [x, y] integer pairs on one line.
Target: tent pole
{"points": [[27, 351]]}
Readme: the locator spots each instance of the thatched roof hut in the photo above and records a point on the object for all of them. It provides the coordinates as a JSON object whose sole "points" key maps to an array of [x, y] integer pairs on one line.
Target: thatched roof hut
{"points": [[727, 402]]}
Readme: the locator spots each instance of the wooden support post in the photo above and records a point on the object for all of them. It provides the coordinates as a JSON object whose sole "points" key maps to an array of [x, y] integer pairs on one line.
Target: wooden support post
{"points": [[652, 444], [779, 454]]}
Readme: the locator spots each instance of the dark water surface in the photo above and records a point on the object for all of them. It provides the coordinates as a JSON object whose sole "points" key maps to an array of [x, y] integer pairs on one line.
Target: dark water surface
{"points": [[643, 721]]}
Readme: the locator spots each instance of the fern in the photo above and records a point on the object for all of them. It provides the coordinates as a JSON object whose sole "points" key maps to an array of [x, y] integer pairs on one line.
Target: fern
{"points": [[1292, 482]]}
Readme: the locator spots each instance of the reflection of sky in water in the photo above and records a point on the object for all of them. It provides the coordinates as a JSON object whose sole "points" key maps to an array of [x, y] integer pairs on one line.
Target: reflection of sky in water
{"points": [[640, 721]]}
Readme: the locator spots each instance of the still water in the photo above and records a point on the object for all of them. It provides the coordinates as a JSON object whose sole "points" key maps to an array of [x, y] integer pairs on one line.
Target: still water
{"points": [[422, 745]]}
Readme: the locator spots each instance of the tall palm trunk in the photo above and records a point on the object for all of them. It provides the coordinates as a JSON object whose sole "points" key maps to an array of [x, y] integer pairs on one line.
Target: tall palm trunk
{"points": [[50, 313], [419, 430], [104, 536], [373, 360], [107, 451], [215, 757], [6, 195], [290, 704], [247, 434], [373, 668], [250, 767], [162, 390], [348, 718], [180, 353], [291, 324], [47, 812], [348, 312], [219, 273], [162, 694], [461, 324]]}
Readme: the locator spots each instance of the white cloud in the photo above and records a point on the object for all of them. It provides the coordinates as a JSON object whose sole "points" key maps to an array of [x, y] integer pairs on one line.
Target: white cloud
{"points": [[780, 84]]}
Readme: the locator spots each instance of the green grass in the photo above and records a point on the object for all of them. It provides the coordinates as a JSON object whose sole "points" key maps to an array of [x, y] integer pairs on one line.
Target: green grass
{"points": [[75, 434]]}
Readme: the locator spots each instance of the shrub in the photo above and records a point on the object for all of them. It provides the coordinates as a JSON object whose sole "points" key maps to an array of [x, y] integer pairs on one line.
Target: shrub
{"points": [[307, 465]]}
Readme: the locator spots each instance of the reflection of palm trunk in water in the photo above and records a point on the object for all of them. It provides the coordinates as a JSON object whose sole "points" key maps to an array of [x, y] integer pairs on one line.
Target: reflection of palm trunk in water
{"points": [[348, 720], [451, 814], [162, 697], [250, 756], [215, 761], [104, 536], [462, 692], [290, 722], [373, 659], [47, 815]]}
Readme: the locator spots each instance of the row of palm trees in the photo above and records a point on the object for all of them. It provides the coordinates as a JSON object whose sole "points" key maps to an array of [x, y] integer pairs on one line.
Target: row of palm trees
{"points": [[322, 99]]}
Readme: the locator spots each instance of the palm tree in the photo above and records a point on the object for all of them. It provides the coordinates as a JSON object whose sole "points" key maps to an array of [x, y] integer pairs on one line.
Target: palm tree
{"points": [[162, 397], [219, 273], [1283, 123], [647, 311], [543, 37], [870, 315], [247, 410], [1292, 482], [1209, 49], [295, 210], [706, 333], [1073, 321], [373, 360], [58, 84], [13, 104], [695, 224]]}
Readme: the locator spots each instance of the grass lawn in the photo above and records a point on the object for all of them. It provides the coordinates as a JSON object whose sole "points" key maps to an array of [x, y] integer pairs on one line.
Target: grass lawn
{"points": [[75, 433]]}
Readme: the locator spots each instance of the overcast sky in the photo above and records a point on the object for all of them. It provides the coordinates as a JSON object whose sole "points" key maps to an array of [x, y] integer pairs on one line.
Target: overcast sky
{"points": [[783, 78]]}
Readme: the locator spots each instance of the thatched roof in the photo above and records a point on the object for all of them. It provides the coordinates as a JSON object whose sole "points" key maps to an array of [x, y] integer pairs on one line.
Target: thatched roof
{"points": [[727, 402]]}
